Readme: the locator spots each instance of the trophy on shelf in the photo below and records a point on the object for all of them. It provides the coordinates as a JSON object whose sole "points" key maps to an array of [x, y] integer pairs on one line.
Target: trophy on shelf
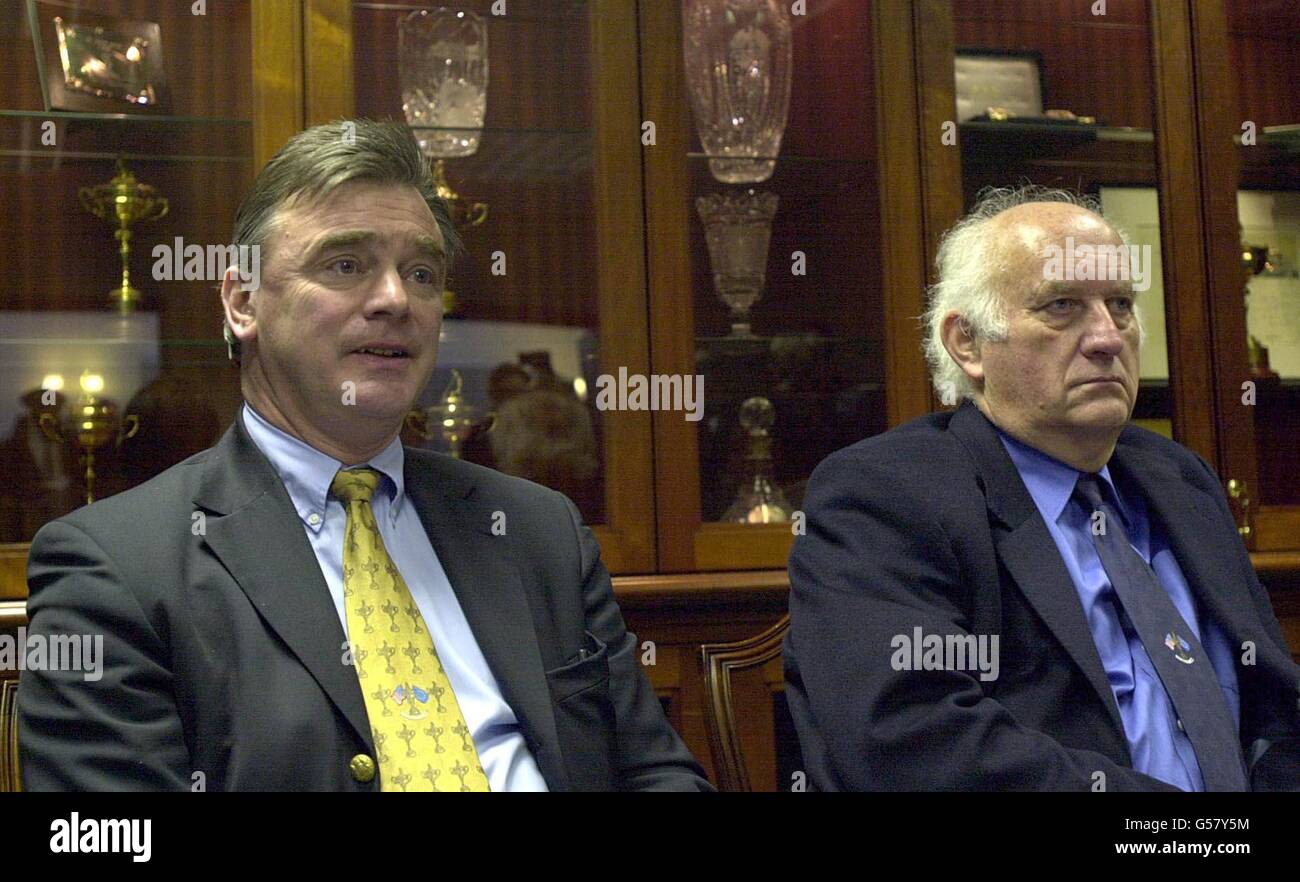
{"points": [[758, 501], [451, 419], [738, 229], [739, 64], [122, 202], [443, 71], [95, 422]]}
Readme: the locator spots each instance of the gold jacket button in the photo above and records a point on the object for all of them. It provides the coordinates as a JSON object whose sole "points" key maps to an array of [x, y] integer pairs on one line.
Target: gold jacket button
{"points": [[362, 768]]}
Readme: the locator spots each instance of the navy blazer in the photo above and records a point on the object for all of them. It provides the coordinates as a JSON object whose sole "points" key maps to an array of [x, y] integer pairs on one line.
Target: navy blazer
{"points": [[931, 526], [224, 649]]}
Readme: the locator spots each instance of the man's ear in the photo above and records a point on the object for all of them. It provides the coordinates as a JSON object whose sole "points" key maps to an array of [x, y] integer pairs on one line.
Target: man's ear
{"points": [[237, 302], [963, 346]]}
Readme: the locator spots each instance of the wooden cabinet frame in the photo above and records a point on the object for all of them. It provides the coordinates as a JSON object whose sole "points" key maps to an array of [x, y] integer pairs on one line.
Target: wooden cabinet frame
{"points": [[914, 96]]}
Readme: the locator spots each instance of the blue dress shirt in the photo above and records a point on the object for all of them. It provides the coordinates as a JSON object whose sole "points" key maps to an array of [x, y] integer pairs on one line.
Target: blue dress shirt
{"points": [[307, 474], [1157, 746]]}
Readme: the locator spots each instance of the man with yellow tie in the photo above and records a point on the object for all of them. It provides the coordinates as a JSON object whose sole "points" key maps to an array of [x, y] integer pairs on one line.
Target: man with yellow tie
{"points": [[308, 605]]}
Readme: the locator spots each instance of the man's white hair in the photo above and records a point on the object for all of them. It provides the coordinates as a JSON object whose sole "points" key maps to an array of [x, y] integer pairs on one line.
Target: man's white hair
{"points": [[967, 264]]}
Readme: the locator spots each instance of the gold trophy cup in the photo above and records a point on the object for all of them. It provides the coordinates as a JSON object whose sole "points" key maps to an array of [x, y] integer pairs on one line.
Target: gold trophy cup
{"points": [[96, 423], [122, 202], [450, 420]]}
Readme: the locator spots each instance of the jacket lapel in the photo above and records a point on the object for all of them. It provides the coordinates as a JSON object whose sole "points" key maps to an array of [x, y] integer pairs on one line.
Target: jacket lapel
{"points": [[484, 575], [1030, 554], [254, 531]]}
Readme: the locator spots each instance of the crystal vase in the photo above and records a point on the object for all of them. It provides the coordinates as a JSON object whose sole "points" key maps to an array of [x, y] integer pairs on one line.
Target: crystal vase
{"points": [[738, 71]]}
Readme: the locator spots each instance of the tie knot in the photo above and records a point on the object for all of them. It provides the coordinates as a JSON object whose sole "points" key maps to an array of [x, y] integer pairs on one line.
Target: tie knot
{"points": [[1088, 488], [355, 485]]}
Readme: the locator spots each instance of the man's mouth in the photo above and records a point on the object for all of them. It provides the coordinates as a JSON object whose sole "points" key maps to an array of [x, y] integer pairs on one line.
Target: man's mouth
{"points": [[384, 351]]}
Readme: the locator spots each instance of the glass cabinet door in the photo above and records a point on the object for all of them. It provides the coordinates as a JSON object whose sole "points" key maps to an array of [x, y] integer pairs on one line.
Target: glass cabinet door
{"points": [[111, 107], [763, 195], [527, 114], [1264, 52]]}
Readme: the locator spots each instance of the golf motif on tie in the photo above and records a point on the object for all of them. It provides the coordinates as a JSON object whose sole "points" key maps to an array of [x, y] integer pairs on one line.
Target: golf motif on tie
{"points": [[421, 738]]}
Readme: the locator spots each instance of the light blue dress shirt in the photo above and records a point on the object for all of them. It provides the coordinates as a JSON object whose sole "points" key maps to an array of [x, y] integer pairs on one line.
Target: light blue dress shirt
{"points": [[1157, 746], [307, 474]]}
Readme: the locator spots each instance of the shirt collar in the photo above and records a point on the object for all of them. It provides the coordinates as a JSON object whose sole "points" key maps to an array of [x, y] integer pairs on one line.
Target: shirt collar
{"points": [[1051, 482], [307, 473]]}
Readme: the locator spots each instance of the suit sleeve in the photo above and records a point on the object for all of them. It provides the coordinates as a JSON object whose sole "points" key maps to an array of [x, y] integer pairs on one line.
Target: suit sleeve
{"points": [[650, 755], [115, 728], [874, 564]]}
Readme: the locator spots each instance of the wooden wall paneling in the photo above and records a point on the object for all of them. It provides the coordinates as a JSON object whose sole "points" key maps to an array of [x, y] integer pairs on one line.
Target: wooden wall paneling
{"points": [[327, 38], [941, 168], [1264, 37], [278, 65], [627, 540], [668, 261], [1217, 121], [1182, 225], [906, 148]]}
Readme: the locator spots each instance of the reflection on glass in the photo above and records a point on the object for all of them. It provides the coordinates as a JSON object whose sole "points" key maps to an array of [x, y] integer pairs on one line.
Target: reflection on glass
{"points": [[522, 389]]}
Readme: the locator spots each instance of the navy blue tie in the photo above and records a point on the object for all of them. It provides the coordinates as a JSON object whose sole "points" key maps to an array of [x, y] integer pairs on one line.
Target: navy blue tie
{"points": [[1179, 658]]}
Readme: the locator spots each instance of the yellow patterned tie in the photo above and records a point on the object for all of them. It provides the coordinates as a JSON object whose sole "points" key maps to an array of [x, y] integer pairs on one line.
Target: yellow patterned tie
{"points": [[420, 735]]}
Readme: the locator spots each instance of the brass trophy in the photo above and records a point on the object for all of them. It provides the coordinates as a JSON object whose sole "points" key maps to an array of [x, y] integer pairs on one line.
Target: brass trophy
{"points": [[122, 202], [758, 501], [96, 425], [450, 420], [463, 216]]}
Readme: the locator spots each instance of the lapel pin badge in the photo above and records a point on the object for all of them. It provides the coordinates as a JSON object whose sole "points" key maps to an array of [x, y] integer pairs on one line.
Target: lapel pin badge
{"points": [[1179, 647]]}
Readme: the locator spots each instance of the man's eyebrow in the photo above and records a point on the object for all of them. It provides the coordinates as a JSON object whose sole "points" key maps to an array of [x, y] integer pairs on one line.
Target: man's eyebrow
{"points": [[429, 246], [426, 245], [1054, 288], [341, 240]]}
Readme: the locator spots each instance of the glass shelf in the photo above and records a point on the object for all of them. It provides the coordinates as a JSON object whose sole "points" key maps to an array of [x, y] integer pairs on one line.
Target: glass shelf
{"points": [[787, 158], [95, 137], [126, 118], [1013, 129], [504, 130], [522, 12]]}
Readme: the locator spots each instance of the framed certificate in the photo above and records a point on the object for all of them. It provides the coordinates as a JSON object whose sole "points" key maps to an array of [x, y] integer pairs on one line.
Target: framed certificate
{"points": [[99, 63], [997, 78]]}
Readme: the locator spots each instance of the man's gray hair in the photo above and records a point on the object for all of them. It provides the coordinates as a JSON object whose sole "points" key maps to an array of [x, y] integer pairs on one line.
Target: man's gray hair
{"points": [[967, 266], [316, 161]]}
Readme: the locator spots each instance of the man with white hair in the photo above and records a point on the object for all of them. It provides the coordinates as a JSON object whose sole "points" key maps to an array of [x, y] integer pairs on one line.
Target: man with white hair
{"points": [[1028, 592]]}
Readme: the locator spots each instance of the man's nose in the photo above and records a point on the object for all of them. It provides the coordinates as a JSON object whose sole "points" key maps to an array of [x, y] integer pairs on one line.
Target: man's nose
{"points": [[388, 295], [1102, 335]]}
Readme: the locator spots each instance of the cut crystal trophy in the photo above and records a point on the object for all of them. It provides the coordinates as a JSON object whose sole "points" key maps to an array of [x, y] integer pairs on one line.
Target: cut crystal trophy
{"points": [[738, 229], [738, 70]]}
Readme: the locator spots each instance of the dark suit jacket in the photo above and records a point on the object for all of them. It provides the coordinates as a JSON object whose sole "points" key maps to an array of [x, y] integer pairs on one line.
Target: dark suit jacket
{"points": [[224, 651], [930, 525]]}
